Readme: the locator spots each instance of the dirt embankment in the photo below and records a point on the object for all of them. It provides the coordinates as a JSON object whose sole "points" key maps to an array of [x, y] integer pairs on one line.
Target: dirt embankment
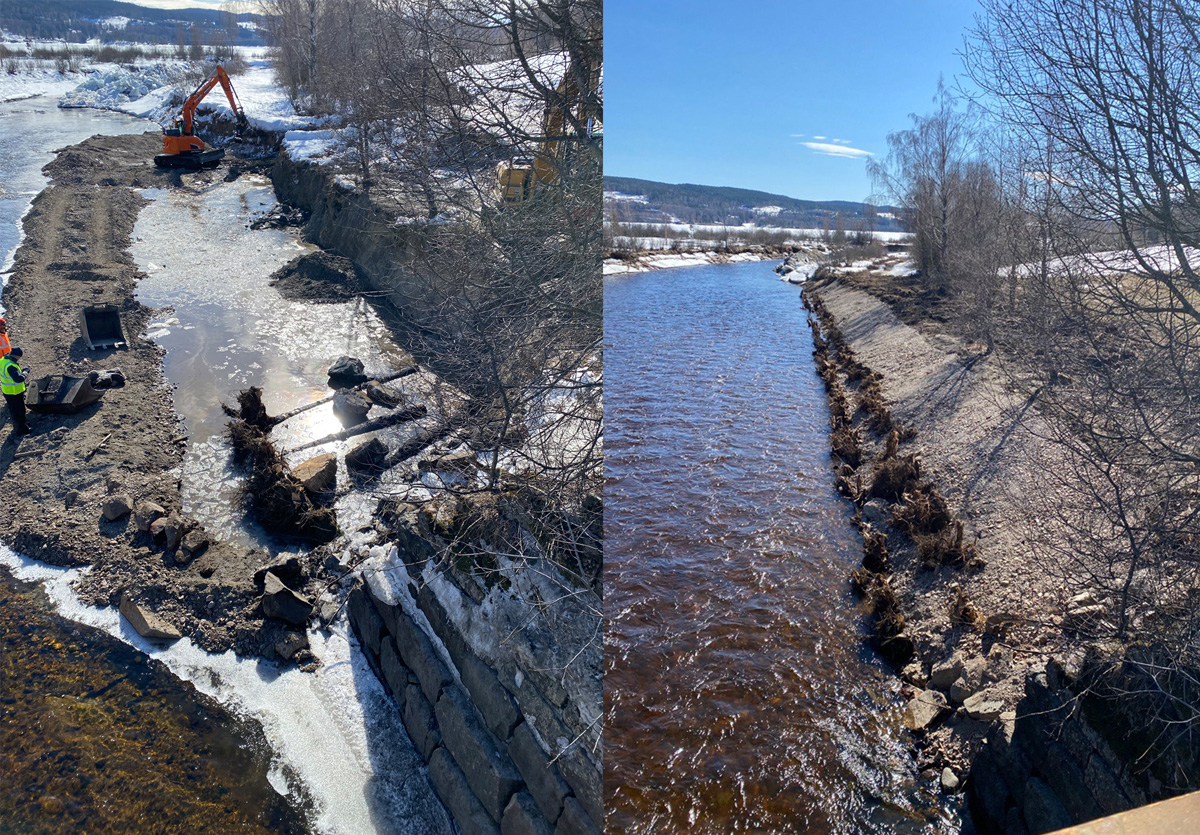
{"points": [[128, 445], [936, 451]]}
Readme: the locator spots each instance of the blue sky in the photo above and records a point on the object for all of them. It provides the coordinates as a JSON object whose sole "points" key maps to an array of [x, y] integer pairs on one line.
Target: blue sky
{"points": [[724, 94]]}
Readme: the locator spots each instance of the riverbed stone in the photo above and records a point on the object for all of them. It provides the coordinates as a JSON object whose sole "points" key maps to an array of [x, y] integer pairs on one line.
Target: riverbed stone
{"points": [[317, 474], [983, 707], [290, 644], [942, 675], [541, 776], [490, 773], [281, 603], [346, 372], [351, 405], [454, 790], [116, 507], [173, 532], [925, 708], [289, 570], [146, 623], [522, 817], [158, 530], [382, 395], [950, 780], [367, 456], [195, 543], [144, 514]]}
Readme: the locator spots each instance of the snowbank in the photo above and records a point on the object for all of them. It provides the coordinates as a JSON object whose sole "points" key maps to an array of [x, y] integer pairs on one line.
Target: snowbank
{"points": [[29, 83]]}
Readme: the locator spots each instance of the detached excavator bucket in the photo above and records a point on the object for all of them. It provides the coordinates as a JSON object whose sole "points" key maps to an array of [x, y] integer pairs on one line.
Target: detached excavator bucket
{"points": [[101, 326], [59, 395]]}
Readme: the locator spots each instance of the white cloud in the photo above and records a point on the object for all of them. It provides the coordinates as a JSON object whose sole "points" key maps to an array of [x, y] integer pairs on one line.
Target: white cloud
{"points": [[818, 137], [797, 136], [836, 150]]}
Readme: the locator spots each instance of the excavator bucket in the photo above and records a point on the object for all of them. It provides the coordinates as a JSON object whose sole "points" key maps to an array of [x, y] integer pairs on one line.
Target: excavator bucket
{"points": [[59, 395], [101, 326]]}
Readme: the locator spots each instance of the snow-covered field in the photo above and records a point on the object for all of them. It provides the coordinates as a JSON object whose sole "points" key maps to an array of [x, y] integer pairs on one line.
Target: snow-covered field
{"points": [[614, 266], [705, 232]]}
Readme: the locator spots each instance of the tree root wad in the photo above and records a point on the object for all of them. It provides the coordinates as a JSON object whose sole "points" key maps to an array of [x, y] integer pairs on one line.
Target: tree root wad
{"points": [[275, 497]]}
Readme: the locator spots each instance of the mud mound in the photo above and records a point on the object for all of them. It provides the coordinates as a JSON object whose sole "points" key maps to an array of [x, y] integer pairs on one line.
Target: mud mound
{"points": [[317, 277]]}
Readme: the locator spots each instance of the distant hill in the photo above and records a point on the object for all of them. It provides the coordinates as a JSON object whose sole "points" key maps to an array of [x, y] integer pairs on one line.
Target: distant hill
{"points": [[647, 201], [77, 21]]}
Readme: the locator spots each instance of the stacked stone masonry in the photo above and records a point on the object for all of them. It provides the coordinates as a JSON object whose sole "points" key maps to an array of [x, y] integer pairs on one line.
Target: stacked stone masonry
{"points": [[485, 734], [1048, 769]]}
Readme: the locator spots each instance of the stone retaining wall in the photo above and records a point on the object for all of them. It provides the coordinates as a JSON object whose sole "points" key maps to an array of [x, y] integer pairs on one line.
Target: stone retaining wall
{"points": [[1048, 769], [500, 744]]}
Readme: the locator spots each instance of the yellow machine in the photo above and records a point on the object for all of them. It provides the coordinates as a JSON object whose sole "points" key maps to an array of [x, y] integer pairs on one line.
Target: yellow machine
{"points": [[181, 147], [521, 178]]}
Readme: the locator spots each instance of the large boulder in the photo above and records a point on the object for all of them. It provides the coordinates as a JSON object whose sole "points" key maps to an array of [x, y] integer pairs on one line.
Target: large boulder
{"points": [[146, 623], [924, 709], [317, 474], [281, 603], [367, 456], [144, 514], [346, 372], [288, 570], [351, 406], [116, 507]]}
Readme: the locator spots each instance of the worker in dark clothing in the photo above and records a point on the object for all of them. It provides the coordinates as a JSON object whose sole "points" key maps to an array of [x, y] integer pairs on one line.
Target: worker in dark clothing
{"points": [[12, 383]]}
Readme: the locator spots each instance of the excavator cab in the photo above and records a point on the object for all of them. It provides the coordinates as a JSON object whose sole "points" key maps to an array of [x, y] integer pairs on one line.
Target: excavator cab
{"points": [[181, 147]]}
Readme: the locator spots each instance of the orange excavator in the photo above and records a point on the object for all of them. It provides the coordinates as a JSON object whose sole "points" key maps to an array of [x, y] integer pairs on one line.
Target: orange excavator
{"points": [[181, 147]]}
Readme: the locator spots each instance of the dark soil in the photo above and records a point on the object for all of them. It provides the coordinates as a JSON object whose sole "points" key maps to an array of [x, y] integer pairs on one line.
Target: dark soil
{"points": [[128, 443], [319, 277]]}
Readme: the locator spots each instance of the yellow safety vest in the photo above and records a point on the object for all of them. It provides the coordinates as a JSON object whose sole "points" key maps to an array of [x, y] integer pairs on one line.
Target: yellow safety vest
{"points": [[7, 384]]}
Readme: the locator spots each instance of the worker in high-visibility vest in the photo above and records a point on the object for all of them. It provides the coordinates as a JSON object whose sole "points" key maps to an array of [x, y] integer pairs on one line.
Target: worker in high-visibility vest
{"points": [[12, 383], [5, 347]]}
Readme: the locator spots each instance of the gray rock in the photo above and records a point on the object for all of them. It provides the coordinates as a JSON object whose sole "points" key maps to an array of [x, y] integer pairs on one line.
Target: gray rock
{"points": [[574, 820], [195, 543], [347, 371], [144, 513], [146, 623], [383, 395], [420, 722], [71, 497], [541, 777], [352, 405], [281, 603], [395, 674], [173, 532], [460, 461], [290, 644], [288, 570], [367, 456], [488, 695], [489, 772], [944, 674], [950, 780], [980, 706], [158, 530], [317, 474], [116, 507], [924, 709], [521, 817], [454, 790]]}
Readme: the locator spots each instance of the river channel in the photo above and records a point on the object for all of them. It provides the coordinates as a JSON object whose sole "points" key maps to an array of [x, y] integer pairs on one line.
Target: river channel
{"points": [[739, 692], [99, 729]]}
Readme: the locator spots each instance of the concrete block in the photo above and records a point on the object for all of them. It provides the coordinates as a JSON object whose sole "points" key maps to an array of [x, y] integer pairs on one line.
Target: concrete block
{"points": [[585, 779], [420, 722], [521, 817], [1042, 810], [442, 626], [1104, 786], [451, 785], [575, 821], [1066, 778], [489, 772], [542, 779]]}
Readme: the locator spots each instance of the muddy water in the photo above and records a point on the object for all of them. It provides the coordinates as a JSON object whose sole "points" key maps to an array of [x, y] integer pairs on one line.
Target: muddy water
{"points": [[96, 737], [739, 696]]}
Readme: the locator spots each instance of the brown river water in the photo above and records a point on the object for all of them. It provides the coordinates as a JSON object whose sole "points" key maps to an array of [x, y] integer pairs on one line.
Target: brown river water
{"points": [[739, 693]]}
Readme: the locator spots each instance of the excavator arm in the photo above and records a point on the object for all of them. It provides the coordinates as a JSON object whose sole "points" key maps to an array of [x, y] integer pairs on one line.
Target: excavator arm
{"points": [[181, 147], [221, 77]]}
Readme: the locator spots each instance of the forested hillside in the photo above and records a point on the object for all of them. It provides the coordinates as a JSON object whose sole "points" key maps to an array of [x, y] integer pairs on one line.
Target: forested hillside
{"points": [[78, 21]]}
